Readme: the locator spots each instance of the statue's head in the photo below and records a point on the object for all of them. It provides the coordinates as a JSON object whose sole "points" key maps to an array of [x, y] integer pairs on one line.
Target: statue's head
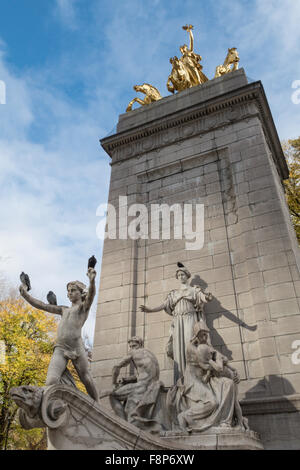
{"points": [[76, 291], [233, 54], [200, 331], [182, 273], [183, 49], [136, 342], [139, 87], [174, 60]]}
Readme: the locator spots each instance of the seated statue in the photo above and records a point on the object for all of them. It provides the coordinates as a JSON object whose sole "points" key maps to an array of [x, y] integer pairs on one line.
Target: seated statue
{"points": [[207, 395], [137, 398]]}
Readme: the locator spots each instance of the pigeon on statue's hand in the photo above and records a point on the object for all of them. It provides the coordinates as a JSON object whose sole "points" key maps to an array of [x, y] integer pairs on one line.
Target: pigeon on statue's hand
{"points": [[92, 262], [25, 281], [51, 297]]}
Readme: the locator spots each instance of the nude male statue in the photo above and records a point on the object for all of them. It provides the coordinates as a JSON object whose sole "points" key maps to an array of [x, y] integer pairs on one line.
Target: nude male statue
{"points": [[136, 398], [69, 345]]}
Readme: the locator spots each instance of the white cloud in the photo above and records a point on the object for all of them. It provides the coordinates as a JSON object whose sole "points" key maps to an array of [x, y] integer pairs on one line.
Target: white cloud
{"points": [[65, 9], [49, 190], [267, 35]]}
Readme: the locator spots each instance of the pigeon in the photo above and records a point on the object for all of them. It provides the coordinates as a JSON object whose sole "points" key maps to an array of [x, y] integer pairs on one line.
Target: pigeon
{"points": [[180, 265], [51, 297], [92, 262], [25, 280]]}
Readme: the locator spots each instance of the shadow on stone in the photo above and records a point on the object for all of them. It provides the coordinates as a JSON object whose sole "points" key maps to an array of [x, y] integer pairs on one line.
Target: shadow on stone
{"points": [[272, 409], [272, 385], [215, 310]]}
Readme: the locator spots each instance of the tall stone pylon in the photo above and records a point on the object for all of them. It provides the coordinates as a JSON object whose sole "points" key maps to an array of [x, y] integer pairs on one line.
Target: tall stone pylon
{"points": [[215, 145]]}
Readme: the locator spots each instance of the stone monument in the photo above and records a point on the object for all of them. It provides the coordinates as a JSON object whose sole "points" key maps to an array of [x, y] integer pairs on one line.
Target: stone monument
{"points": [[196, 180], [214, 145]]}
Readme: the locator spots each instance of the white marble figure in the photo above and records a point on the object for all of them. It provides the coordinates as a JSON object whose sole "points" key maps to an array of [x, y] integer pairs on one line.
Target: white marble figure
{"points": [[69, 344], [185, 305], [137, 398], [207, 395]]}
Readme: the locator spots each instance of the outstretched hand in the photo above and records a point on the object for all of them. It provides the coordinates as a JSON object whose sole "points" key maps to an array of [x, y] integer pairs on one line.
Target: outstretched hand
{"points": [[145, 309], [22, 289], [236, 377]]}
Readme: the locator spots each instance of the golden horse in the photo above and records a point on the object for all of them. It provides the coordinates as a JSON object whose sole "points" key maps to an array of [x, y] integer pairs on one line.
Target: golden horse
{"points": [[179, 79], [152, 95], [231, 63]]}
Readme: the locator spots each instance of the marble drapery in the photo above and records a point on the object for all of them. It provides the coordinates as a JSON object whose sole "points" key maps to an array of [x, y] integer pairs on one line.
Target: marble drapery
{"points": [[186, 308]]}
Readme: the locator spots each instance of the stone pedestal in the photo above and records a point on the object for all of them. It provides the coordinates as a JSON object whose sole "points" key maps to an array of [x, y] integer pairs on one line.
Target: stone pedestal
{"points": [[86, 425], [217, 439], [216, 145]]}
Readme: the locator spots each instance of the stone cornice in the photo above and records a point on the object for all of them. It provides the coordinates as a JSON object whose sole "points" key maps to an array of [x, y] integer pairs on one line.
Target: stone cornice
{"points": [[195, 112], [233, 106]]}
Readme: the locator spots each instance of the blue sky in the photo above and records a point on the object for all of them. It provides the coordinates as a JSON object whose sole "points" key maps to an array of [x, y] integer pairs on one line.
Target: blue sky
{"points": [[69, 68]]}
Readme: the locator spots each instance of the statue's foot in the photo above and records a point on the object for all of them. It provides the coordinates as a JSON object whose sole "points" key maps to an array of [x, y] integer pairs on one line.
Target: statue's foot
{"points": [[246, 424], [239, 427], [225, 425], [242, 424]]}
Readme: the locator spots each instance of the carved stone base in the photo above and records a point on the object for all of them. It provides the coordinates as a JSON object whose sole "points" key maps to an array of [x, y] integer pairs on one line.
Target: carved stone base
{"points": [[215, 439], [74, 421]]}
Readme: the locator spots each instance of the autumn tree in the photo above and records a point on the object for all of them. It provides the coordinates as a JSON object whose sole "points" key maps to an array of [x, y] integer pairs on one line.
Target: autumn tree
{"points": [[291, 150], [27, 338]]}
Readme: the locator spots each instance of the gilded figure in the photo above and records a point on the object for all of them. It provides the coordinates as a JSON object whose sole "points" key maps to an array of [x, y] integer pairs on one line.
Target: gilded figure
{"points": [[152, 95], [231, 63], [186, 71]]}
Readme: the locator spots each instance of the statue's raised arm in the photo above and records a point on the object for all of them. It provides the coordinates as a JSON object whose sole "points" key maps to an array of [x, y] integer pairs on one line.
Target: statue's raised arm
{"points": [[189, 28], [91, 274]]}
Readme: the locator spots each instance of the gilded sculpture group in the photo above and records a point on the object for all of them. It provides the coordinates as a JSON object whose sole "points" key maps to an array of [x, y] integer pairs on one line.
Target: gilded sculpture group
{"points": [[186, 72]]}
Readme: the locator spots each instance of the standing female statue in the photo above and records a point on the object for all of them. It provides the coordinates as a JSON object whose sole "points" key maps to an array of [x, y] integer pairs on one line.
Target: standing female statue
{"points": [[186, 71], [191, 60], [185, 305]]}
